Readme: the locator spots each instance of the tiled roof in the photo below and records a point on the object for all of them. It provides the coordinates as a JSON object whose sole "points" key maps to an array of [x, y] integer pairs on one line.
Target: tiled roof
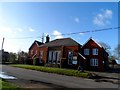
{"points": [[36, 42], [61, 42], [93, 41]]}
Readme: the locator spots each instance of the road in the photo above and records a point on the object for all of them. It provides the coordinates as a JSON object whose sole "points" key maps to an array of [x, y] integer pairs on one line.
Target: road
{"points": [[55, 79]]}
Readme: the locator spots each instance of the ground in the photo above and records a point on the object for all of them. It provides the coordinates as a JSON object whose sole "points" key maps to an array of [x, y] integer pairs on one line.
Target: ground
{"points": [[33, 79], [32, 84]]}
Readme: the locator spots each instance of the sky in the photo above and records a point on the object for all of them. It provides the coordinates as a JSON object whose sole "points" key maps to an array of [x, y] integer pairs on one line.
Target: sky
{"points": [[24, 22]]}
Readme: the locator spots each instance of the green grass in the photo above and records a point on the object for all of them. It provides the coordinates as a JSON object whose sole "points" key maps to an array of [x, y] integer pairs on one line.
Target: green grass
{"points": [[4, 85], [61, 71]]}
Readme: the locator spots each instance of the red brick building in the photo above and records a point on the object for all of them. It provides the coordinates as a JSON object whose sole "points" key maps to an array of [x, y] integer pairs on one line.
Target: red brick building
{"points": [[34, 50], [61, 52], [67, 53], [95, 54]]}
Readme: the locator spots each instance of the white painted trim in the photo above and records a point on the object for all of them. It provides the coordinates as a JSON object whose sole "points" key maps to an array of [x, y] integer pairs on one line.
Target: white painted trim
{"points": [[81, 56], [94, 62], [93, 40], [86, 51], [34, 55], [37, 44], [95, 51]]}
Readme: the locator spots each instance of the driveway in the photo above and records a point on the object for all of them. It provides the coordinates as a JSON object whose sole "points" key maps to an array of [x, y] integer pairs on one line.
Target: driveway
{"points": [[55, 79]]}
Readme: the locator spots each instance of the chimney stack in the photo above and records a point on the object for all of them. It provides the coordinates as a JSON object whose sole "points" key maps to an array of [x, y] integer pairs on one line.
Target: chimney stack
{"points": [[47, 39]]}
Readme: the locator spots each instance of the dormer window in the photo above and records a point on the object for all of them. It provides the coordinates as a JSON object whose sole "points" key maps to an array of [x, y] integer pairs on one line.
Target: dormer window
{"points": [[86, 51], [95, 51]]}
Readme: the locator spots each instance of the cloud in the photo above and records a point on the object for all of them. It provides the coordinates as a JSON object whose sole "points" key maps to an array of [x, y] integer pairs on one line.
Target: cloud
{"points": [[77, 20], [19, 29], [103, 18], [5, 29], [31, 30], [57, 34], [81, 33]]}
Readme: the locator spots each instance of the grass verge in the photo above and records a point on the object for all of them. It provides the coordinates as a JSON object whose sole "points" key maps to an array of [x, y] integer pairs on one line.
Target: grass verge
{"points": [[61, 71], [4, 85]]}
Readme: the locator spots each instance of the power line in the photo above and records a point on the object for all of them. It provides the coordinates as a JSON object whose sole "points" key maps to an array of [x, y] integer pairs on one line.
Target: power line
{"points": [[88, 31]]}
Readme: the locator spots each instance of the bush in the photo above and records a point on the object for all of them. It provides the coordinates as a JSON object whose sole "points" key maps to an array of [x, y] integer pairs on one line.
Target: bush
{"points": [[29, 61], [93, 76], [36, 61]]}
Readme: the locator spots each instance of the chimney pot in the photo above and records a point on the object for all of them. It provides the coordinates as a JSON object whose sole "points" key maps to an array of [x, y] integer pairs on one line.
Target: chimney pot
{"points": [[47, 39]]}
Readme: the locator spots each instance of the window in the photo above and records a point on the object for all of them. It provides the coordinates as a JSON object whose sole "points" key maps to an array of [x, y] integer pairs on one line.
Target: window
{"points": [[54, 58], [41, 56], [58, 57], [50, 57], [86, 51], [70, 57], [94, 62], [74, 60], [95, 51], [31, 52]]}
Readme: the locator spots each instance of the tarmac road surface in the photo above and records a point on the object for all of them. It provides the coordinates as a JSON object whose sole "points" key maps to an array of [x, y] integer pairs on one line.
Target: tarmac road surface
{"points": [[55, 79]]}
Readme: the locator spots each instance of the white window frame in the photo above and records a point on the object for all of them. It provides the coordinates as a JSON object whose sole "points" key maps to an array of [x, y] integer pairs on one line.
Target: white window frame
{"points": [[41, 54], [70, 57], [86, 52], [95, 51], [93, 62], [74, 61], [31, 52], [58, 57], [54, 57], [50, 57]]}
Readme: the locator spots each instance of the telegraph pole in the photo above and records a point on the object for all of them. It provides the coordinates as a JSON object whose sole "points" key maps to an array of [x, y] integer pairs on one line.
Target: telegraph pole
{"points": [[43, 38], [2, 43], [1, 51]]}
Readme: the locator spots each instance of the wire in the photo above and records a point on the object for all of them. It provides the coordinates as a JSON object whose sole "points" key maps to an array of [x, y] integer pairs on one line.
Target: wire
{"points": [[88, 31]]}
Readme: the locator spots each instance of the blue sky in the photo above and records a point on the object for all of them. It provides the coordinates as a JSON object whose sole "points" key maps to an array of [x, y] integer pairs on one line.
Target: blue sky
{"points": [[31, 20]]}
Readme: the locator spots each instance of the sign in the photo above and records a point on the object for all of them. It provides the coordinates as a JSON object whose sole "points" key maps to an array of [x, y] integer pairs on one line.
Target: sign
{"points": [[74, 60]]}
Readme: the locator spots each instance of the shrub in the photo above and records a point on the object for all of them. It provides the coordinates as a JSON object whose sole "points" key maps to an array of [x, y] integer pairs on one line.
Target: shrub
{"points": [[36, 61], [29, 61]]}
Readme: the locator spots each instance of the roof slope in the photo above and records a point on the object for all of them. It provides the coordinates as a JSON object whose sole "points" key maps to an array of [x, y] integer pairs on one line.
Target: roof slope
{"points": [[61, 42], [37, 43], [99, 45], [94, 42]]}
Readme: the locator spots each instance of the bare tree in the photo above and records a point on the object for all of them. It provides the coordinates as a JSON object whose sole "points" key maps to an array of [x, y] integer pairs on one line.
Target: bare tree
{"points": [[106, 46], [12, 57], [117, 52], [22, 56]]}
